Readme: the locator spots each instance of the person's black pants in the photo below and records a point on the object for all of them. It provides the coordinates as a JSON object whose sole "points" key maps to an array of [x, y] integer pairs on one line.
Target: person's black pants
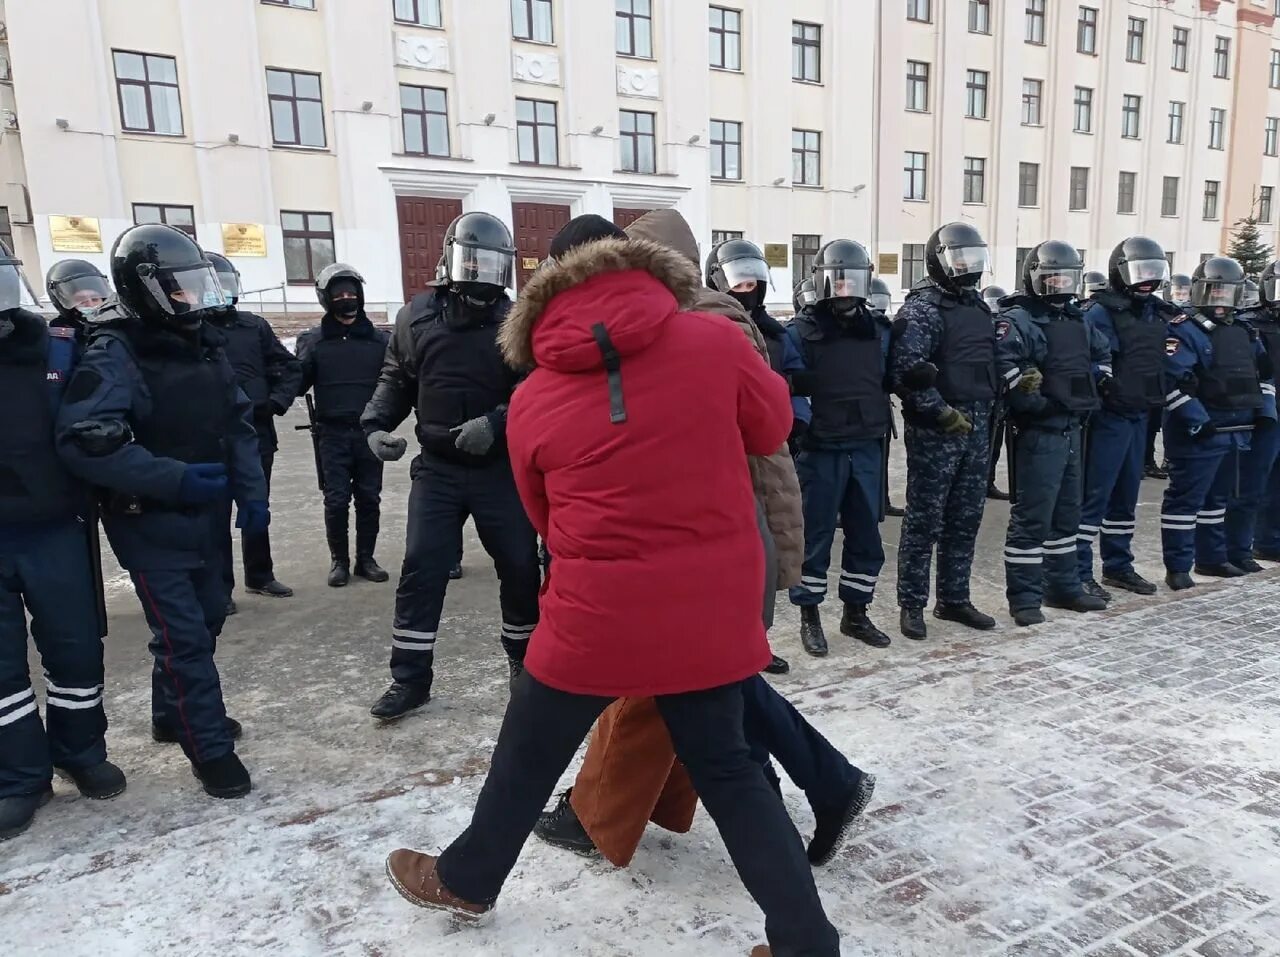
{"points": [[351, 471], [255, 548], [540, 734]]}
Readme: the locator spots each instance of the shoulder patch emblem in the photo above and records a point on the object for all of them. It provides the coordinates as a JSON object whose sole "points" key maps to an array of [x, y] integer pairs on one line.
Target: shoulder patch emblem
{"points": [[1002, 329], [1179, 318], [62, 332], [1171, 346]]}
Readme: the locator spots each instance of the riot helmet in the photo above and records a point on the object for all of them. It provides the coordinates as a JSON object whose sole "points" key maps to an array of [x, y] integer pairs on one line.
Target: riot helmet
{"points": [[1269, 287], [1138, 266], [1094, 282], [340, 290], [1179, 291], [161, 276], [956, 257], [1054, 272], [992, 295], [15, 291], [881, 298], [1251, 297], [479, 257], [76, 288], [804, 294], [737, 267], [842, 270], [1217, 287], [228, 276]]}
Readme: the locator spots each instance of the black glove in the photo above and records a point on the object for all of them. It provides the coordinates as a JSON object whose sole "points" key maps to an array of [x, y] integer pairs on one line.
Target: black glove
{"points": [[920, 376], [1205, 432], [795, 441], [1106, 385]]}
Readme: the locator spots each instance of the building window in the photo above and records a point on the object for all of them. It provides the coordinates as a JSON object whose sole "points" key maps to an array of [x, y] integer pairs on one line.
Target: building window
{"points": [[976, 94], [1176, 110], [1028, 184], [531, 20], [806, 52], [1020, 254], [6, 229], [1032, 97], [1169, 196], [633, 28], [726, 150], [424, 111], [1131, 116], [297, 111], [979, 16], [1271, 139], [726, 38], [537, 137], [1265, 196], [147, 89], [1079, 199], [806, 157], [298, 4], [636, 142], [1217, 127], [1035, 22], [1128, 192], [915, 170], [912, 264], [308, 245], [421, 13], [917, 86], [1222, 57], [1211, 188], [1087, 31], [804, 249], [1136, 42], [719, 236], [1084, 110], [920, 10], [179, 217], [1181, 41], [975, 179]]}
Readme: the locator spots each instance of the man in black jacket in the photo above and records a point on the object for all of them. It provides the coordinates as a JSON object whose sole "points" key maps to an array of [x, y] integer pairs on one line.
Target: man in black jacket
{"points": [[270, 376], [444, 363], [341, 359]]}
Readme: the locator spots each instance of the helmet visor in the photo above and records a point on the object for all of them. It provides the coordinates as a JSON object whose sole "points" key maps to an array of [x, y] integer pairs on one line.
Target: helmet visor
{"points": [[881, 302], [83, 293], [230, 282], [181, 292], [14, 291], [842, 283], [737, 272], [1268, 288], [472, 264], [1136, 272], [1056, 281], [1206, 292], [960, 261]]}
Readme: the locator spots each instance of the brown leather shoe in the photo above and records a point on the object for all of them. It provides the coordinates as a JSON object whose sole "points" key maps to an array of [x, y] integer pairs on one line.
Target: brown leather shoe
{"points": [[414, 875], [761, 950]]}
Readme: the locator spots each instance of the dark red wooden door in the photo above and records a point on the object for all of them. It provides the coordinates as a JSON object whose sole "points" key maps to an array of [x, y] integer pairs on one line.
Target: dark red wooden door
{"points": [[423, 221], [623, 217], [536, 225]]}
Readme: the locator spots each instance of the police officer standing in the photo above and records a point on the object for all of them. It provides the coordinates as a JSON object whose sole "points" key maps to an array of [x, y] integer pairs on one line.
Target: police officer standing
{"points": [[269, 375], [1051, 363], [844, 346], [880, 302], [154, 418], [341, 359], [942, 361], [45, 571], [1133, 319], [444, 361], [1094, 283], [1221, 386]]}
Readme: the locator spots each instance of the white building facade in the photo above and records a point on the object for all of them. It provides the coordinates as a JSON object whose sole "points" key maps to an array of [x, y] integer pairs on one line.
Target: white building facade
{"points": [[288, 133]]}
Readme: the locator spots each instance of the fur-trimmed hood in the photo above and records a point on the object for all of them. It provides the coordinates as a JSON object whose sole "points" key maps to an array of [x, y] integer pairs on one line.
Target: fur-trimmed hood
{"points": [[626, 304]]}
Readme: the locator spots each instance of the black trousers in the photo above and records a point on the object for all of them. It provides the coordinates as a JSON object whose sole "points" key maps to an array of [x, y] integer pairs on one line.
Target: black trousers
{"points": [[540, 734], [351, 471], [255, 549]]}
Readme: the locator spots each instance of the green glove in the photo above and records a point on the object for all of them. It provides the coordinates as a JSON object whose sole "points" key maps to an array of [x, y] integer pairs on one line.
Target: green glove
{"points": [[1031, 381], [954, 422]]}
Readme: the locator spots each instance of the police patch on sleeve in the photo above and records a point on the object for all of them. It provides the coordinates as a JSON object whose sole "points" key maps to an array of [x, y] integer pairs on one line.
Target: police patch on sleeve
{"points": [[1171, 346], [1002, 329]]}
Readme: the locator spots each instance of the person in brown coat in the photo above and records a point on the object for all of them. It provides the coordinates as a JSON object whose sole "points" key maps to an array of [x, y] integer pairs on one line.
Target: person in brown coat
{"points": [[630, 775]]}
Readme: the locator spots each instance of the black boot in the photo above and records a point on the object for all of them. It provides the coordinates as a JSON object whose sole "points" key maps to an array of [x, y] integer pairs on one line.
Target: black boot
{"points": [[812, 637], [455, 572], [1266, 555], [911, 624], [98, 783], [1091, 587], [1025, 617], [856, 624], [560, 827], [895, 511], [224, 777], [515, 668], [163, 734], [996, 494], [339, 574], [272, 589], [1179, 581], [370, 570], [1225, 570], [778, 666], [1130, 581], [1080, 602], [230, 608], [965, 614], [1154, 471], [1248, 566], [400, 700], [832, 824], [17, 812]]}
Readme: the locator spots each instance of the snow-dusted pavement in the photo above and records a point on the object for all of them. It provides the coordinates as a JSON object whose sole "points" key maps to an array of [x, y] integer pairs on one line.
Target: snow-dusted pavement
{"points": [[1105, 784]]}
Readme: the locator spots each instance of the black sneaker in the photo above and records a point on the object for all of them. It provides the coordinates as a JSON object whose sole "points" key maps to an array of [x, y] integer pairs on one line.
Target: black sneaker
{"points": [[830, 827], [1081, 602], [996, 494], [911, 624], [339, 574], [98, 783], [400, 700], [272, 589], [225, 777], [370, 570], [17, 812], [230, 608], [812, 637], [455, 572], [965, 614], [778, 666], [164, 734], [855, 624], [1130, 581], [1179, 581], [1025, 617], [1248, 566], [560, 827], [1225, 570], [1091, 587]]}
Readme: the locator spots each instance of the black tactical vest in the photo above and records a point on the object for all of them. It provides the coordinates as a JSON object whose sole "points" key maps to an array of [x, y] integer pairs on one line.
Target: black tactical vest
{"points": [[773, 346], [1231, 384], [966, 359], [1068, 378], [244, 352], [1139, 381], [848, 398], [1270, 333], [346, 373]]}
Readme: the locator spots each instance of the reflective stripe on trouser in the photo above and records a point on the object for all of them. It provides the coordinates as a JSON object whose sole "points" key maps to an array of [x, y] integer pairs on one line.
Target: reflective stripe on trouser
{"points": [[1247, 517], [48, 575], [1192, 518], [1040, 546], [1117, 445], [443, 495], [845, 486], [946, 494]]}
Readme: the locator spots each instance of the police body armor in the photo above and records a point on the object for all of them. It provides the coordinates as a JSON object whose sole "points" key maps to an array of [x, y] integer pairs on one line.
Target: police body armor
{"points": [[1139, 382], [1068, 377], [1232, 384], [1269, 330], [244, 352], [848, 395], [966, 359], [346, 375]]}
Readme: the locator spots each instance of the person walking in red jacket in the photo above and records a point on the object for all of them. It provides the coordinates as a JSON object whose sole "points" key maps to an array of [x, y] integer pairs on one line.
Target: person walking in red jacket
{"points": [[628, 443]]}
